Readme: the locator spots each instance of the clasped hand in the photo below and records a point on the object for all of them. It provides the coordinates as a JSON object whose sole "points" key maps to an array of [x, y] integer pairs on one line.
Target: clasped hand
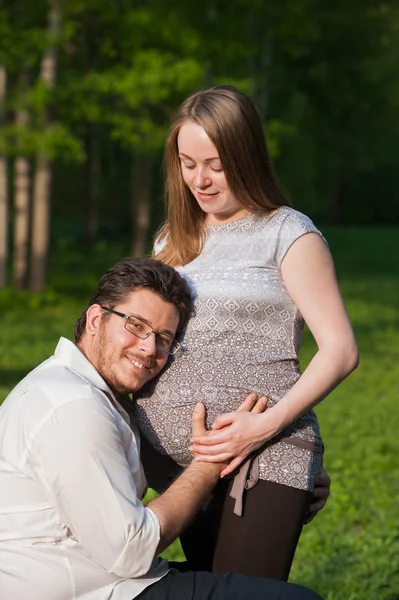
{"points": [[235, 435]]}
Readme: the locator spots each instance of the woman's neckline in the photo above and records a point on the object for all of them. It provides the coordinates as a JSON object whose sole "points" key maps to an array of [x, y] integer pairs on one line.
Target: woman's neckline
{"points": [[247, 217]]}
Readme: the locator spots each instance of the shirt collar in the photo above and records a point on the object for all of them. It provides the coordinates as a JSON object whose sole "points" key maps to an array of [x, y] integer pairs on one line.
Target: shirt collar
{"points": [[69, 354]]}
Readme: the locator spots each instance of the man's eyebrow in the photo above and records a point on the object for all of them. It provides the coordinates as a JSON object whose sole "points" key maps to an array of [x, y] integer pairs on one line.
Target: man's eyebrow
{"points": [[164, 332], [207, 160]]}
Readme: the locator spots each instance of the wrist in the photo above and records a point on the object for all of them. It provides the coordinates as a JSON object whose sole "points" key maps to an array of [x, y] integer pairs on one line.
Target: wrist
{"points": [[210, 471], [277, 418]]}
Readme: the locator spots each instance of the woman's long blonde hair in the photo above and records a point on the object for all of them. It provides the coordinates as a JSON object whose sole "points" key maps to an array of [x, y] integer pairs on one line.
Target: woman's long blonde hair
{"points": [[232, 123]]}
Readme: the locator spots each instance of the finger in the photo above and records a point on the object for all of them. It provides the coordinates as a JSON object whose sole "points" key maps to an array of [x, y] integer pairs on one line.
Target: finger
{"points": [[314, 509], [260, 405], [249, 402], [316, 506], [217, 458], [211, 450], [312, 513], [323, 481], [232, 466], [309, 517], [223, 421], [320, 492], [211, 438], [198, 420]]}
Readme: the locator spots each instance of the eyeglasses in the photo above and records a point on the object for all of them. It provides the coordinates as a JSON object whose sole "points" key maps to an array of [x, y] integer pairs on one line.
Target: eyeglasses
{"points": [[141, 329]]}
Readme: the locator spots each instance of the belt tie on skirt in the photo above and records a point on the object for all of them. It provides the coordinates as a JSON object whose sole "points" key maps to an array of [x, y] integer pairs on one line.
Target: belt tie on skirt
{"points": [[248, 475], [246, 478]]}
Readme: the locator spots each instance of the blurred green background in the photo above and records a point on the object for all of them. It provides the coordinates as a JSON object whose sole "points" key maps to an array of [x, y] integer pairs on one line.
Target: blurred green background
{"points": [[87, 89]]}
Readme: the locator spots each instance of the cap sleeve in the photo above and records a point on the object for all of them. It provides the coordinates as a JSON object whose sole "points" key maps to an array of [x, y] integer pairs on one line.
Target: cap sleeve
{"points": [[158, 246], [293, 226]]}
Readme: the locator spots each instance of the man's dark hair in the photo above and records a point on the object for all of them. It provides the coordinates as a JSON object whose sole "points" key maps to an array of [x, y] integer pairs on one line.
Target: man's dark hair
{"points": [[131, 274]]}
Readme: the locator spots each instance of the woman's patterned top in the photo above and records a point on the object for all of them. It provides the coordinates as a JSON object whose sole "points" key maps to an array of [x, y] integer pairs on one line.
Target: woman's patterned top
{"points": [[244, 337]]}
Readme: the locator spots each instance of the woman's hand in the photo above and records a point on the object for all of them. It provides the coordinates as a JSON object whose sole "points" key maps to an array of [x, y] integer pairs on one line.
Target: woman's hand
{"points": [[234, 436]]}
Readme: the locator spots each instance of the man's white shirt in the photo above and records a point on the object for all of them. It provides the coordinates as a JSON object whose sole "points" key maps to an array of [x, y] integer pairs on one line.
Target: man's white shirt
{"points": [[72, 526]]}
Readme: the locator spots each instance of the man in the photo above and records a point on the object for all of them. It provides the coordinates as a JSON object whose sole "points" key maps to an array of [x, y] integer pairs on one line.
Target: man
{"points": [[72, 525]]}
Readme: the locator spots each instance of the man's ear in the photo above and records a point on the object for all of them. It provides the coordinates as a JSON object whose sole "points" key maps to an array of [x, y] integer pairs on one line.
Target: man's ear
{"points": [[93, 319]]}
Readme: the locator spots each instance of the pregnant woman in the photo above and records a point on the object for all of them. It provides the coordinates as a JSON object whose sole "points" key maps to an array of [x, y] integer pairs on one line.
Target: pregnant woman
{"points": [[257, 269]]}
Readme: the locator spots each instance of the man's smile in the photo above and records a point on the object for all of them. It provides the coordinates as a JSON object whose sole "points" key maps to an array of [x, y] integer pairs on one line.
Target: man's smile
{"points": [[136, 363]]}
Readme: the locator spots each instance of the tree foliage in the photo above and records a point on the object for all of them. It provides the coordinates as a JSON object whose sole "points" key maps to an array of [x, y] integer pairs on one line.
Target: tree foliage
{"points": [[324, 79]]}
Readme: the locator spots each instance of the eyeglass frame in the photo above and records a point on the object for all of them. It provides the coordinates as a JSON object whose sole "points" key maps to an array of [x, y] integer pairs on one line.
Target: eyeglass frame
{"points": [[176, 344]]}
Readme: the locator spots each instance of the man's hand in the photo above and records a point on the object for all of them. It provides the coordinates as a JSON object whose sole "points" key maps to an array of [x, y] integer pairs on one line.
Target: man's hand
{"points": [[177, 506], [320, 494], [198, 420], [198, 428]]}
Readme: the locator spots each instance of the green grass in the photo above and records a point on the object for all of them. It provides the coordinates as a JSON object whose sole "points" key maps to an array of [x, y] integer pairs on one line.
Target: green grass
{"points": [[351, 551]]}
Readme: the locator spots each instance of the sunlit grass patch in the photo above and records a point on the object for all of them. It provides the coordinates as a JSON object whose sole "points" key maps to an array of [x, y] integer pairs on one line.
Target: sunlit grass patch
{"points": [[351, 551]]}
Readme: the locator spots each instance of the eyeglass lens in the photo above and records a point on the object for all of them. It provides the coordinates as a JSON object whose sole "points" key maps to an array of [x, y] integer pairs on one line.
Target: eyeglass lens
{"points": [[143, 330]]}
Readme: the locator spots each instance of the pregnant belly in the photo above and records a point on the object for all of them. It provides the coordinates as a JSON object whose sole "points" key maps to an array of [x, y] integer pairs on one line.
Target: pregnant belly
{"points": [[165, 417]]}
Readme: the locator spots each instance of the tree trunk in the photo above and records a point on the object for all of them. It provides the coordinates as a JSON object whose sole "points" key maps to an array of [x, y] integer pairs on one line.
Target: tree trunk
{"points": [[3, 191], [21, 221], [42, 182], [22, 185], [3, 221], [141, 202]]}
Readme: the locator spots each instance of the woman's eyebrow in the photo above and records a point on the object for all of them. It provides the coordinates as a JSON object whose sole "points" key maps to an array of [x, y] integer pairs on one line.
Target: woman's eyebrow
{"points": [[182, 155]]}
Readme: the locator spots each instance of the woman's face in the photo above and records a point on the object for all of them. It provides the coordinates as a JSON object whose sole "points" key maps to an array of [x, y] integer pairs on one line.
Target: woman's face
{"points": [[203, 174]]}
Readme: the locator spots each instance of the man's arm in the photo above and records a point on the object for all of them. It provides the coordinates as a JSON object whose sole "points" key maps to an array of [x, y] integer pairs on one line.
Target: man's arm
{"points": [[176, 507], [80, 459], [186, 496]]}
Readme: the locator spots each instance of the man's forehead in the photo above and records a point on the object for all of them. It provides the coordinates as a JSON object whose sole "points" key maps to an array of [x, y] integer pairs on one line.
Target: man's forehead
{"points": [[152, 308], [141, 296]]}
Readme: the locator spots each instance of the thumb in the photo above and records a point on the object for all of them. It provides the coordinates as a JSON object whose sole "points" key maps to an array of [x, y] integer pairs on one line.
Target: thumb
{"points": [[198, 420]]}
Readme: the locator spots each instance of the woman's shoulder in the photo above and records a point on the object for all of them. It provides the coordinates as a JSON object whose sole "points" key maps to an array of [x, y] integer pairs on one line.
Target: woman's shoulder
{"points": [[284, 219], [290, 216], [287, 225]]}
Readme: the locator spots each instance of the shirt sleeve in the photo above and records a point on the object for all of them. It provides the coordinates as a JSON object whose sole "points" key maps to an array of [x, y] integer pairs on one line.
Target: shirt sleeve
{"points": [[293, 226], [79, 456]]}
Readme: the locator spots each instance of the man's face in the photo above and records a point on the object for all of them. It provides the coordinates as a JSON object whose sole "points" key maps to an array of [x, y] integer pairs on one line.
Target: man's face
{"points": [[125, 361]]}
